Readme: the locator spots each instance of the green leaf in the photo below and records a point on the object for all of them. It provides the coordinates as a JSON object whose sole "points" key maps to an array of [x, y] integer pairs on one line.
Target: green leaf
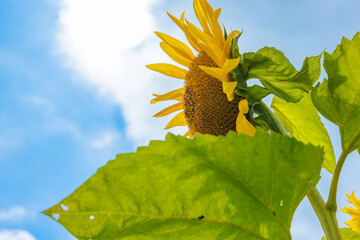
{"points": [[256, 93], [277, 74], [303, 122], [233, 187], [338, 98], [348, 234], [245, 62]]}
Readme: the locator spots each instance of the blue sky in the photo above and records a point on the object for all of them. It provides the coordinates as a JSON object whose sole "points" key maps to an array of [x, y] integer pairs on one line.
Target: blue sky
{"points": [[74, 92]]}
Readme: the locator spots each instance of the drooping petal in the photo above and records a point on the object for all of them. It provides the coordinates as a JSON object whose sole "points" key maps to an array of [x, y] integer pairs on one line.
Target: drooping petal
{"points": [[230, 64], [188, 134], [178, 120], [174, 55], [177, 44], [242, 124], [172, 95], [216, 72], [228, 88], [171, 109], [228, 41], [168, 70]]}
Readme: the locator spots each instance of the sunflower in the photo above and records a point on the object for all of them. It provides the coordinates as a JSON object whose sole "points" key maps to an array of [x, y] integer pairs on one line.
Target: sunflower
{"points": [[353, 212], [207, 102]]}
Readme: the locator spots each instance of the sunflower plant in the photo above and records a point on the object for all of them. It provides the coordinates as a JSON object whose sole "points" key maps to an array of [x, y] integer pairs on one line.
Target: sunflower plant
{"points": [[242, 168]]}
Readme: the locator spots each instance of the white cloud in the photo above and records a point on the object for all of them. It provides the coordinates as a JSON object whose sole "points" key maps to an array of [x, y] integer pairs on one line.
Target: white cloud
{"points": [[15, 213], [107, 43], [15, 235], [105, 140]]}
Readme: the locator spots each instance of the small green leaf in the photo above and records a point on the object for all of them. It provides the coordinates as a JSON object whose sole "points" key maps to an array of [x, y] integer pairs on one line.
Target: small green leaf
{"points": [[338, 99], [234, 49], [277, 74], [245, 62], [256, 93], [211, 188], [348, 234], [303, 122]]}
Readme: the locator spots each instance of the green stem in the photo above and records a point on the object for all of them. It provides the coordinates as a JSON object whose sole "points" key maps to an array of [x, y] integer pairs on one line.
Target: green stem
{"points": [[326, 217], [331, 203]]}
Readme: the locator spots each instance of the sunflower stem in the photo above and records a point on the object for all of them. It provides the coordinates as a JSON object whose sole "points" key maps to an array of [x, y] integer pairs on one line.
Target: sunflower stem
{"points": [[331, 202], [326, 216]]}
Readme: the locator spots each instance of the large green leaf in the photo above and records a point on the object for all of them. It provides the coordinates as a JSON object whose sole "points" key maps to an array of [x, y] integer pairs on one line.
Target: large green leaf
{"points": [[233, 187], [277, 74], [348, 234], [303, 122], [338, 99]]}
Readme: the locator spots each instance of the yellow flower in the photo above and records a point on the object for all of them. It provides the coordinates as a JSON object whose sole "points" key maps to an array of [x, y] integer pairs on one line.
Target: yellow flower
{"points": [[353, 212], [207, 101]]}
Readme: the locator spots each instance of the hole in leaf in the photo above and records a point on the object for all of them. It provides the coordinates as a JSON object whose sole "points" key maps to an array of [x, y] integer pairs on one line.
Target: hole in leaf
{"points": [[64, 208], [92, 217], [281, 203], [56, 216]]}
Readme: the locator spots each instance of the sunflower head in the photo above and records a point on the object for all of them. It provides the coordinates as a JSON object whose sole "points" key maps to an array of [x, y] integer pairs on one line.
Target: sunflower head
{"points": [[353, 212], [207, 102]]}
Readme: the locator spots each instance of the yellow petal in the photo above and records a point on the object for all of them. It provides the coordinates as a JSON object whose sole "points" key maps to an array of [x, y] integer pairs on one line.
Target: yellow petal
{"points": [[172, 95], [217, 31], [178, 120], [231, 64], [214, 53], [204, 37], [208, 7], [216, 72], [187, 134], [168, 110], [228, 88], [189, 36], [168, 70], [201, 16], [174, 55], [244, 126], [354, 200], [208, 12], [228, 41], [353, 212], [177, 44], [354, 224], [243, 106]]}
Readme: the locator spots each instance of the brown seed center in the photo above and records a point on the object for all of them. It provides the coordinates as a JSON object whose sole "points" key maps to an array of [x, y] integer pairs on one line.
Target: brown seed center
{"points": [[207, 109]]}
